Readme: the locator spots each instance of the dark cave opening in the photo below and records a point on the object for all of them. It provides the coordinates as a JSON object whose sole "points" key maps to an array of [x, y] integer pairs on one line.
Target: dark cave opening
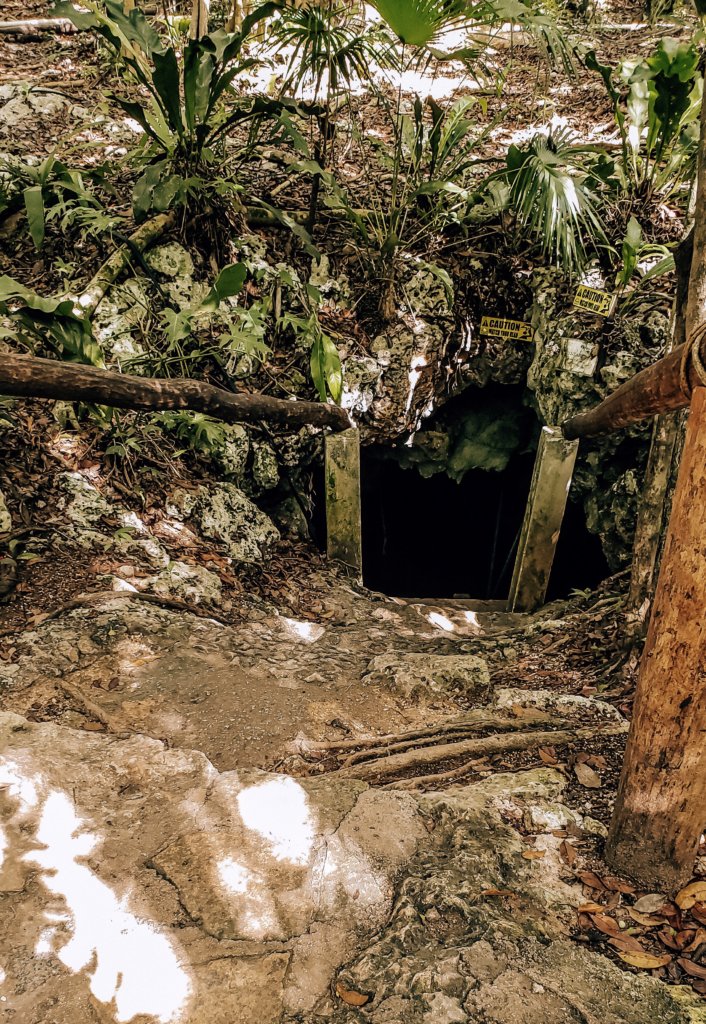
{"points": [[432, 537]]}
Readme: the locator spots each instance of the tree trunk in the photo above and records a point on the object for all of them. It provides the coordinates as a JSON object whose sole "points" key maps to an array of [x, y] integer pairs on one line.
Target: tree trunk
{"points": [[199, 19], [660, 810], [660, 473], [30, 377]]}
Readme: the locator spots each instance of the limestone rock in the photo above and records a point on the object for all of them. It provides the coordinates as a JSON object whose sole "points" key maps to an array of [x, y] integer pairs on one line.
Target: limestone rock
{"points": [[232, 454], [222, 512], [420, 675], [265, 468], [560, 704], [171, 260], [5, 517], [156, 888]]}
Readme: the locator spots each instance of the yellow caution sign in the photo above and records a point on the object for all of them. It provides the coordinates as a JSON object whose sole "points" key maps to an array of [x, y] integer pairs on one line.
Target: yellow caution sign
{"points": [[593, 300], [501, 327]]}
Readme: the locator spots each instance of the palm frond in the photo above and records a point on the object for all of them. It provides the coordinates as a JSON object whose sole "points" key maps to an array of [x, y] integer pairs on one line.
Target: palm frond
{"points": [[549, 194]]}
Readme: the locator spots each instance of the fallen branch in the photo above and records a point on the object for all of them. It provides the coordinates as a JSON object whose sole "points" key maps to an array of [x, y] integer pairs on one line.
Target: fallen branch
{"points": [[32, 26], [32, 377], [499, 743], [141, 240]]}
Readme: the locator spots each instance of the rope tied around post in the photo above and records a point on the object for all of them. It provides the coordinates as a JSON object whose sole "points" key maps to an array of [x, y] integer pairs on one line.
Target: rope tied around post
{"points": [[692, 357]]}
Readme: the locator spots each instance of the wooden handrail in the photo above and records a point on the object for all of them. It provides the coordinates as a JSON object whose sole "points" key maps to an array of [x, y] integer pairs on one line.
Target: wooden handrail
{"points": [[659, 388]]}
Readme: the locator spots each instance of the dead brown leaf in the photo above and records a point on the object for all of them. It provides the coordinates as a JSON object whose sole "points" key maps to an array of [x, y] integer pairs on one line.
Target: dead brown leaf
{"points": [[591, 879], [626, 944], [646, 920], [589, 907], [695, 970], [617, 884], [533, 854], [350, 996], [645, 961], [605, 924], [587, 776], [651, 903], [568, 853], [693, 893]]}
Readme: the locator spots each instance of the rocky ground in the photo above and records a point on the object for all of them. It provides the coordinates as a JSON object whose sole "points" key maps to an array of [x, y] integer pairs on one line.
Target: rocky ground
{"points": [[201, 816], [235, 785]]}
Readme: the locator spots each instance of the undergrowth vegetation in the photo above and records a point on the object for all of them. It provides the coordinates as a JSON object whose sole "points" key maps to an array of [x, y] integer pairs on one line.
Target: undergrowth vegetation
{"points": [[289, 91]]}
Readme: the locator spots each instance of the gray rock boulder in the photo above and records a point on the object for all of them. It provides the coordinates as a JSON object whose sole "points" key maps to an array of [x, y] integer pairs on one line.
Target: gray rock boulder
{"points": [[421, 675], [222, 512]]}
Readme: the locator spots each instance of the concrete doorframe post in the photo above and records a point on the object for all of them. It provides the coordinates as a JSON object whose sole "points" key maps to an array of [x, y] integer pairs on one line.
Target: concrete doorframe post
{"points": [[549, 491]]}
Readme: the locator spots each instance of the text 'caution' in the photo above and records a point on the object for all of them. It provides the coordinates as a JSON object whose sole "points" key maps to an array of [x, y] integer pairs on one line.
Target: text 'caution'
{"points": [[500, 327]]}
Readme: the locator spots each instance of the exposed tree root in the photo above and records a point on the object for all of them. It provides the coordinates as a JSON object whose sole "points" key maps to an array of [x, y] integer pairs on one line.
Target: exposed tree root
{"points": [[88, 706], [471, 721], [141, 239], [481, 721], [385, 766]]}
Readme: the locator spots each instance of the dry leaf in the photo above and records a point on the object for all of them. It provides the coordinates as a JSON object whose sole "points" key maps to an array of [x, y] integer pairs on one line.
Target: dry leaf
{"points": [[625, 943], [533, 854], [669, 939], [589, 907], [645, 961], [350, 996], [568, 853], [695, 970], [698, 939], [617, 884], [646, 920], [547, 755], [698, 912], [693, 893], [605, 924], [591, 879], [651, 903], [586, 776]]}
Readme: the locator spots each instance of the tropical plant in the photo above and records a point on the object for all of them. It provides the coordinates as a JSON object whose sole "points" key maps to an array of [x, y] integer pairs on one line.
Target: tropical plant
{"points": [[322, 44], [52, 322], [549, 187], [52, 191], [324, 360], [191, 107], [656, 106], [641, 262]]}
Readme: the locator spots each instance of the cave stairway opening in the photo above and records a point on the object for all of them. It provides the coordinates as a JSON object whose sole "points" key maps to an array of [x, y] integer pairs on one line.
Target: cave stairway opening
{"points": [[429, 537]]}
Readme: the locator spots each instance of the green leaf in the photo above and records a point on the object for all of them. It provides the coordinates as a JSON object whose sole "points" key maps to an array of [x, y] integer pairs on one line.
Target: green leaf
{"points": [[165, 79], [418, 21], [325, 365], [34, 205], [228, 283], [11, 289]]}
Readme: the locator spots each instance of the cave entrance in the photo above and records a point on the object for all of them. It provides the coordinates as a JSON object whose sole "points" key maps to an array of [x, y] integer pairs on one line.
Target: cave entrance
{"points": [[431, 537], [442, 514]]}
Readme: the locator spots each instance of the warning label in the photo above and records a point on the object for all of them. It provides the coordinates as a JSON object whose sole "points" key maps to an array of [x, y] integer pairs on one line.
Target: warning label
{"points": [[500, 327], [593, 300]]}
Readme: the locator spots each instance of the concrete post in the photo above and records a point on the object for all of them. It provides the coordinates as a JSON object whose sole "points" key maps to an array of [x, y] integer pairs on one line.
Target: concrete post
{"points": [[343, 517], [549, 490]]}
